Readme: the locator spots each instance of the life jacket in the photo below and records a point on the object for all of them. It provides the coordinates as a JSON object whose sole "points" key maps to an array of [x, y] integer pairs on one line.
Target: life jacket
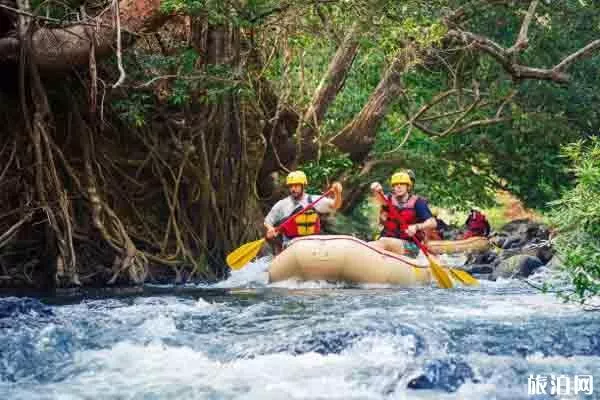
{"points": [[477, 225], [307, 223], [399, 217]]}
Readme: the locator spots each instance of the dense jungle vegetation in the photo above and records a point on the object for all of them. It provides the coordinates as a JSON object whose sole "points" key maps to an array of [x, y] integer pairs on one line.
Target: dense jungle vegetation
{"points": [[144, 139]]}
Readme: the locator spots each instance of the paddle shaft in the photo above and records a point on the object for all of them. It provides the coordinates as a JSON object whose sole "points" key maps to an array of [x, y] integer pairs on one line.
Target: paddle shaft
{"points": [[308, 206]]}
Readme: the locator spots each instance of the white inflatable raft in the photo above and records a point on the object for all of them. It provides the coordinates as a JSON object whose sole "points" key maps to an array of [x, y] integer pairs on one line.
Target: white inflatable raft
{"points": [[347, 259]]}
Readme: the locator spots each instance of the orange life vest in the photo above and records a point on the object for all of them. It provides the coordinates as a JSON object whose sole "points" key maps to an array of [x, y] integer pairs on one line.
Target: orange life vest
{"points": [[307, 223]]}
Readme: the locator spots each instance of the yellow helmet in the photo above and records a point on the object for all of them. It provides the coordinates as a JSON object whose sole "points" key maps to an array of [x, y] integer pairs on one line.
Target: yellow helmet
{"points": [[296, 178], [399, 178]]}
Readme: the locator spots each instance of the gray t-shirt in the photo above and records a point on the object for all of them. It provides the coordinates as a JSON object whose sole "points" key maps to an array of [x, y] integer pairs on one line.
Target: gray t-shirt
{"points": [[284, 207]]}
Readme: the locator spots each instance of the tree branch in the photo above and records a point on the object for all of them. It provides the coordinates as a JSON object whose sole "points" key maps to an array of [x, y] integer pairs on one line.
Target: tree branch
{"points": [[522, 40], [579, 54], [330, 85], [68, 46], [517, 71], [358, 136]]}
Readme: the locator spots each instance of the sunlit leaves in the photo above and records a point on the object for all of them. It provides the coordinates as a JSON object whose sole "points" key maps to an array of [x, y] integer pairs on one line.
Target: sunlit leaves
{"points": [[577, 217]]}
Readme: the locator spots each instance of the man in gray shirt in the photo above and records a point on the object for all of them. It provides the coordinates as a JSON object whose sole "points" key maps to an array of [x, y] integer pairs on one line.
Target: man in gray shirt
{"points": [[307, 223]]}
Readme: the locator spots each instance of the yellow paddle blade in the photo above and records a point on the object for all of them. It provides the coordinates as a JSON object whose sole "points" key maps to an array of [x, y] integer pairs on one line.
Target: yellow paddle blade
{"points": [[464, 277], [244, 254], [441, 277]]}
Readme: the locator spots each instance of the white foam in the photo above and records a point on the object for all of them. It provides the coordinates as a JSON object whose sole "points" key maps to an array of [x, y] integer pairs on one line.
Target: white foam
{"points": [[253, 274], [158, 327], [130, 370]]}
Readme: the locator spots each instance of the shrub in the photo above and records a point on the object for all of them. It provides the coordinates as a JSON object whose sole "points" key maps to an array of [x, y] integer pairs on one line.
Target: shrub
{"points": [[577, 216]]}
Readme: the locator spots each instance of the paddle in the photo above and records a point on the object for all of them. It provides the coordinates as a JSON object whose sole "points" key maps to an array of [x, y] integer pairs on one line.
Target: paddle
{"points": [[463, 276], [440, 275], [245, 253], [437, 270]]}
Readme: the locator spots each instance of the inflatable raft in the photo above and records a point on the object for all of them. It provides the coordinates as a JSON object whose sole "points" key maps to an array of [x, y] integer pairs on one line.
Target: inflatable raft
{"points": [[347, 259], [476, 243]]}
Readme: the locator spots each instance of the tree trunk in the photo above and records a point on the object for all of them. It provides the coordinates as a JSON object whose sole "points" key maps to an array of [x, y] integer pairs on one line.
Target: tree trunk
{"points": [[230, 150], [358, 136], [330, 85], [63, 48]]}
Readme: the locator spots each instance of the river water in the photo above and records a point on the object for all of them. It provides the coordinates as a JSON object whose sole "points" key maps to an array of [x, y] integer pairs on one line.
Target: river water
{"points": [[243, 339]]}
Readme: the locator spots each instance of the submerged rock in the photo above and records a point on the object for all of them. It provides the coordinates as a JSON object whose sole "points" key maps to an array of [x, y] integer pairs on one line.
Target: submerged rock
{"points": [[447, 375], [11, 307]]}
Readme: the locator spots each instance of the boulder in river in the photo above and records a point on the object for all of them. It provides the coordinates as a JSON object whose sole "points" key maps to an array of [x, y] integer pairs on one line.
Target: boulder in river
{"points": [[520, 265]]}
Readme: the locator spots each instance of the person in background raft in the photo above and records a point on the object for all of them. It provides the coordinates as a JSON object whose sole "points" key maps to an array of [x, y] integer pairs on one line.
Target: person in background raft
{"points": [[477, 225], [307, 223], [436, 233], [412, 216]]}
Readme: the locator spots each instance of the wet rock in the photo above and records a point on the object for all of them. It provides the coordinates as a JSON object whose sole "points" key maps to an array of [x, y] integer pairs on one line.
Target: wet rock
{"points": [[479, 269], [555, 263], [447, 375], [486, 257], [325, 343], [513, 241], [520, 265], [14, 306], [498, 239], [545, 254]]}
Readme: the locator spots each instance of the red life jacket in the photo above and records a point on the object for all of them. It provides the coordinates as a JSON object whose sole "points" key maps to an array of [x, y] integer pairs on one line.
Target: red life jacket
{"points": [[477, 225], [399, 217], [307, 223]]}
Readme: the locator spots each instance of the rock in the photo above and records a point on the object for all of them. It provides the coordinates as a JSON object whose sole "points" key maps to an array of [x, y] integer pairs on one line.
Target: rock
{"points": [[521, 265], [447, 375], [479, 269], [545, 254], [513, 241], [486, 257], [498, 239], [527, 229], [516, 226], [555, 263]]}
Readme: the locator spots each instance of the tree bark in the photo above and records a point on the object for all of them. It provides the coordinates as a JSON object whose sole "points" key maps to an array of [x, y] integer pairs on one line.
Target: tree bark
{"points": [[358, 136], [65, 47], [330, 85], [231, 146]]}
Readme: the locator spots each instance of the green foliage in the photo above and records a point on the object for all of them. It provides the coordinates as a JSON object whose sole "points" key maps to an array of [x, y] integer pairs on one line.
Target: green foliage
{"points": [[247, 14], [134, 110], [577, 216], [458, 171], [321, 172]]}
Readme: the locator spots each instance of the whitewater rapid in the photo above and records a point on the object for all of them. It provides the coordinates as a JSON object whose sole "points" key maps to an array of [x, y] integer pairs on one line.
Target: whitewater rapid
{"points": [[245, 339]]}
